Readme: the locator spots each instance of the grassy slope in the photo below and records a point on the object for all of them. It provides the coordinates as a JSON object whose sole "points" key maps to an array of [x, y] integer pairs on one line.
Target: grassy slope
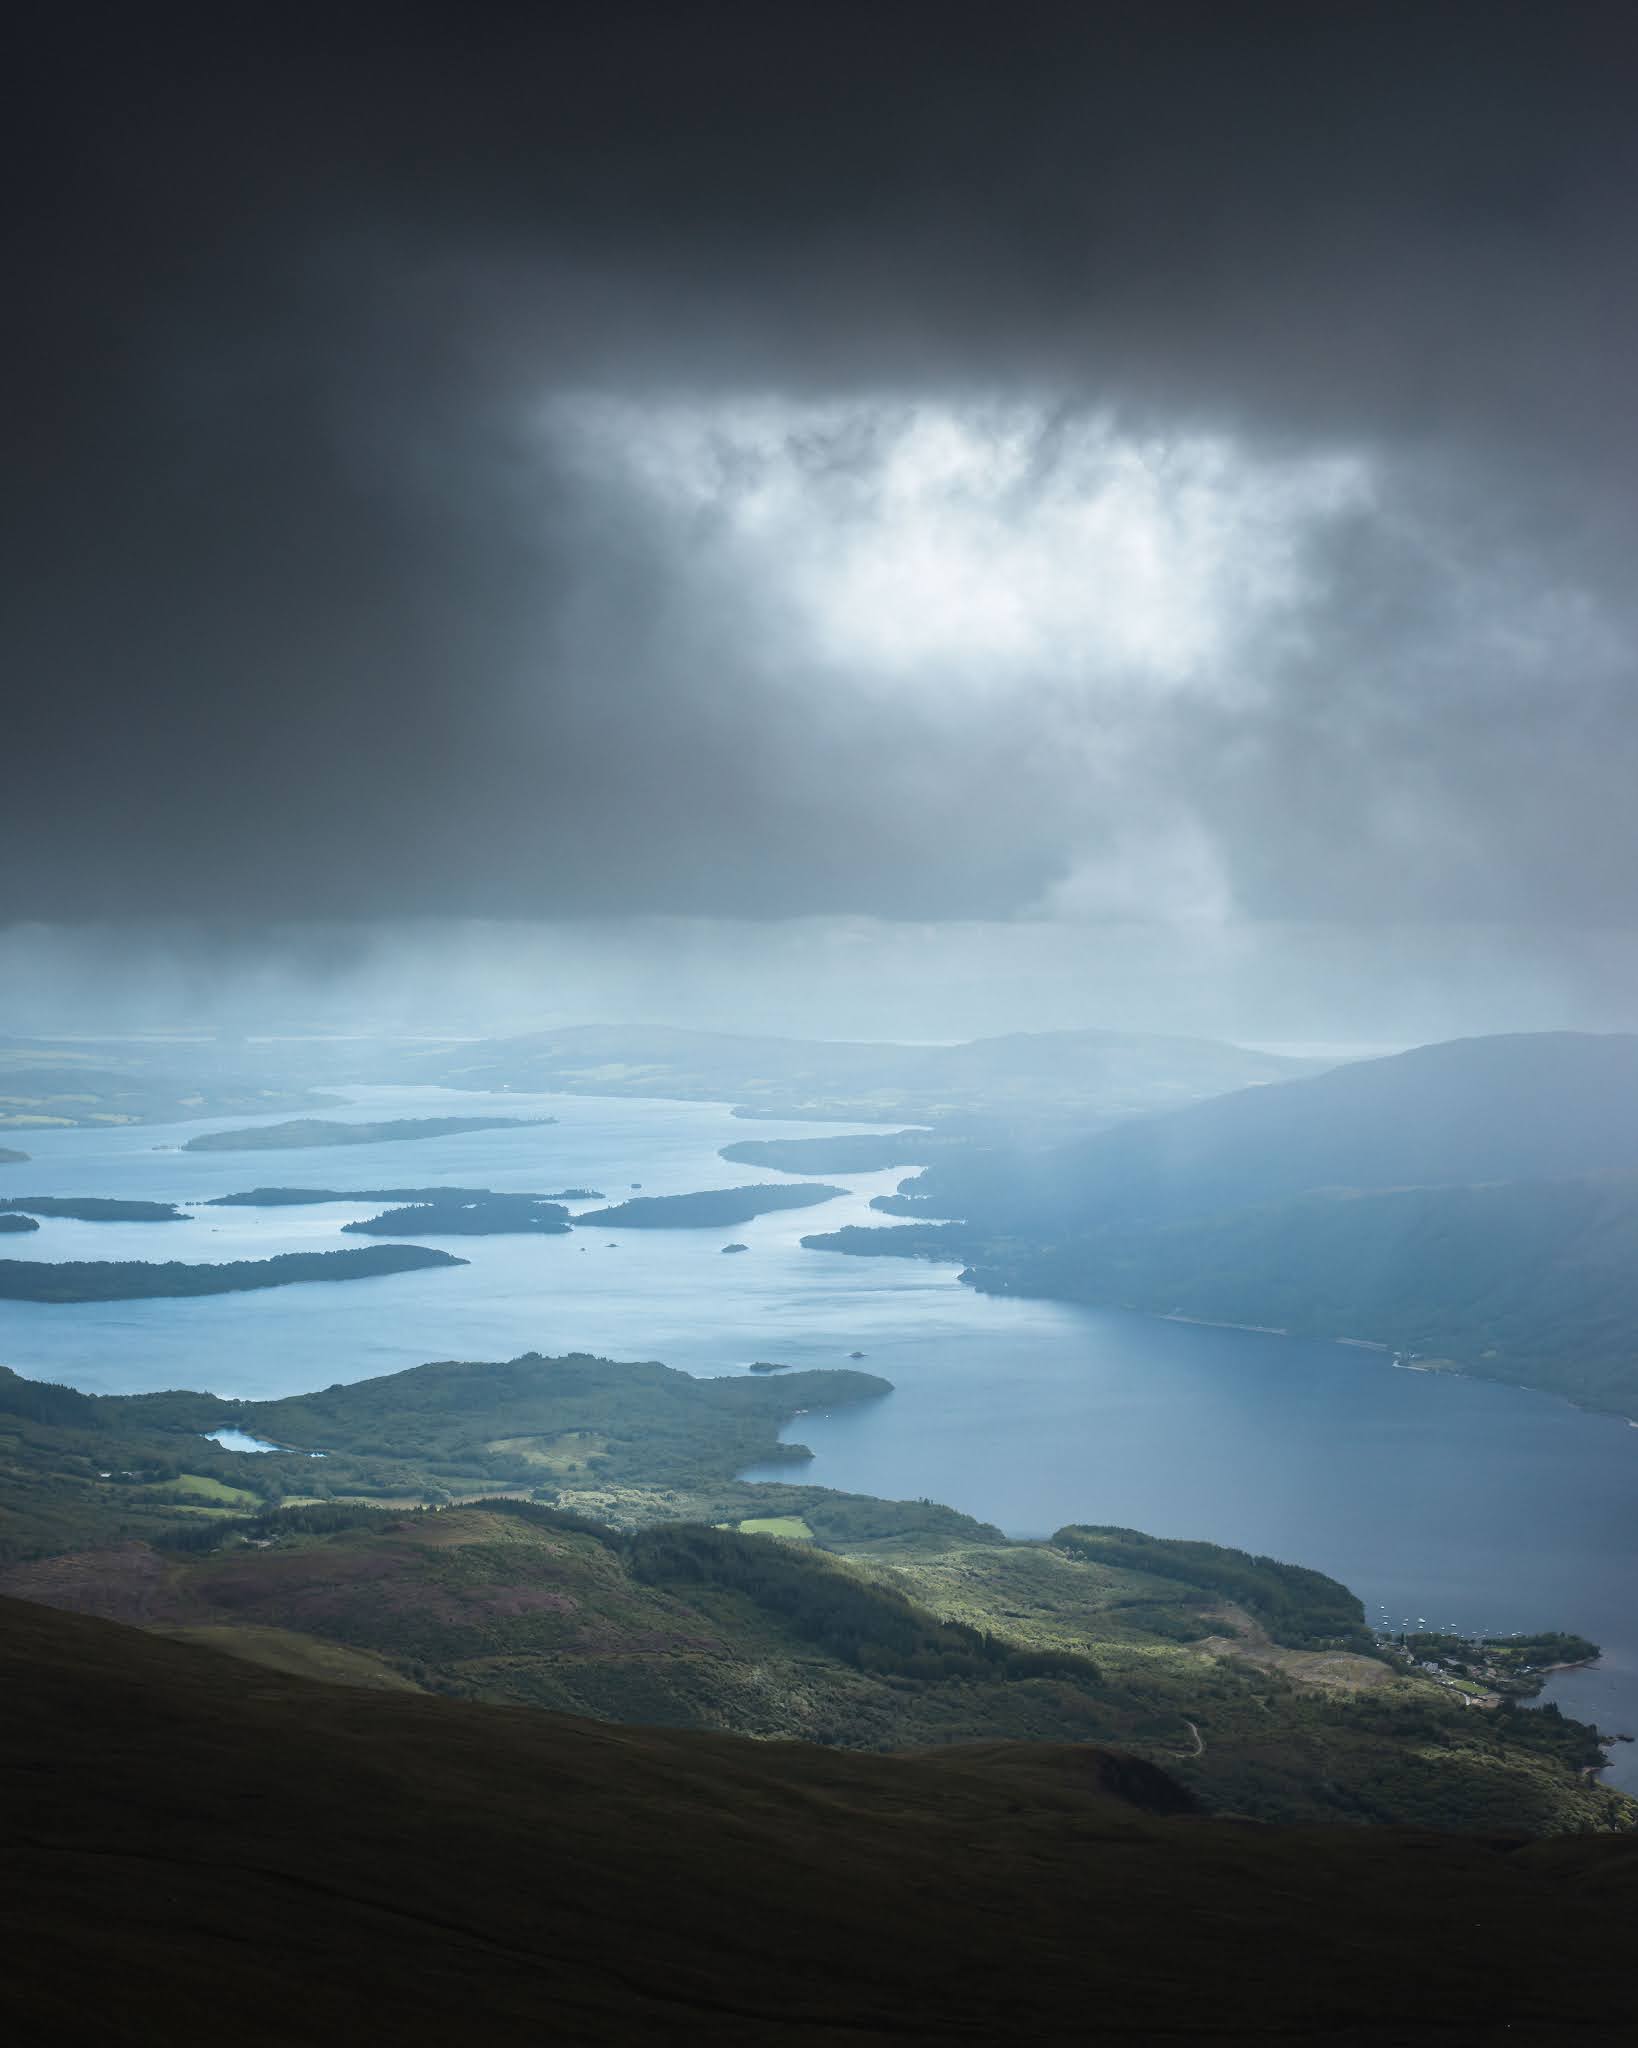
{"points": [[287, 1861], [744, 1633], [640, 1446]]}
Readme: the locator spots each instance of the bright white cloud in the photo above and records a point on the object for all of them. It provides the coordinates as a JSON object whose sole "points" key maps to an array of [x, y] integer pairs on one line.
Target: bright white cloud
{"points": [[985, 546]]}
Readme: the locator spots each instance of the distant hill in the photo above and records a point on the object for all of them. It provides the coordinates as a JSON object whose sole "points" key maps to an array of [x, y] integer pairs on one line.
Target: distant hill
{"points": [[1086, 1077], [1476, 1202], [49, 1085], [1528, 1281], [1533, 1106]]}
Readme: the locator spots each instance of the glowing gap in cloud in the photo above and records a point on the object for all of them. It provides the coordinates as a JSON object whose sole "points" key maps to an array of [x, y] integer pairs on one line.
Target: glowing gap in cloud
{"points": [[980, 546]]}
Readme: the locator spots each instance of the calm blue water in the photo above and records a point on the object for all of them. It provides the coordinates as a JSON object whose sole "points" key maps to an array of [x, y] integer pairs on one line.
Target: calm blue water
{"points": [[1472, 1505]]}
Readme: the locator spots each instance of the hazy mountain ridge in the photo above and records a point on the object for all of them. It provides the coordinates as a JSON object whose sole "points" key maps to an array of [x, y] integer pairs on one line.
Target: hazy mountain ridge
{"points": [[1530, 1106], [1084, 1076], [46, 1084], [1475, 1201]]}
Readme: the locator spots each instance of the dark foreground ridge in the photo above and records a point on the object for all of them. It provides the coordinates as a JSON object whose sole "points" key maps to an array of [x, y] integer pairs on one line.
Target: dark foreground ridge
{"points": [[197, 1843]]}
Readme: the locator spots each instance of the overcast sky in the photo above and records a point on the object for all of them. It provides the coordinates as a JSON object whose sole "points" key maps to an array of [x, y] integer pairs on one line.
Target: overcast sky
{"points": [[1134, 501]]}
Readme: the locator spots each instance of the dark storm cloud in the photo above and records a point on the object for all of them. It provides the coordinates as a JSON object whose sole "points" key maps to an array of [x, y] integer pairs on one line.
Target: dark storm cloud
{"points": [[311, 614]]}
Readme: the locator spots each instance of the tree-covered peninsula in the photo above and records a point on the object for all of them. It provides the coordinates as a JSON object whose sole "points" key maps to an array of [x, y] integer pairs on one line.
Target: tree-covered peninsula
{"points": [[865, 1152], [484, 1216], [94, 1208], [296, 1198], [301, 1133], [712, 1208], [78, 1280]]}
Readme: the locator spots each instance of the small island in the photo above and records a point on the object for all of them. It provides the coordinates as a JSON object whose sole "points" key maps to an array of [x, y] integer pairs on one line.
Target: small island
{"points": [[767, 1365], [736, 1248], [712, 1207], [95, 1208], [79, 1280], [870, 1152], [486, 1216], [302, 1132], [11, 1219], [8, 1157]]}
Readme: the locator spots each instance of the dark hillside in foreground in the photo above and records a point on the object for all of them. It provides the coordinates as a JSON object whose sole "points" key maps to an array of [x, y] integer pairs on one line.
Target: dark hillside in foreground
{"points": [[196, 1849], [1105, 1635]]}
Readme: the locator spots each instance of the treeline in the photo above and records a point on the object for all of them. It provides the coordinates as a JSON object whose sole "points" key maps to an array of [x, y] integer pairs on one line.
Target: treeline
{"points": [[1545, 1732], [1299, 1607], [45, 1401], [336, 1518], [871, 1627]]}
